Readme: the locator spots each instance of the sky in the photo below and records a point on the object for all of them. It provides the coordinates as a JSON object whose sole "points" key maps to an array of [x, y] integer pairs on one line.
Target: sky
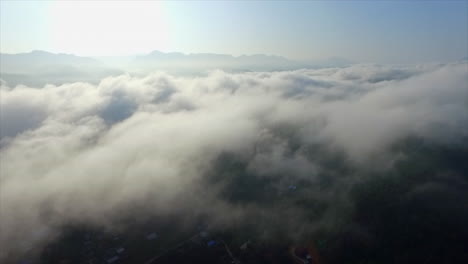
{"points": [[385, 32]]}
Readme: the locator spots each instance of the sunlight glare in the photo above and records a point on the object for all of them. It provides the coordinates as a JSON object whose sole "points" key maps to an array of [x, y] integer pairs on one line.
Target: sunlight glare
{"points": [[100, 28]]}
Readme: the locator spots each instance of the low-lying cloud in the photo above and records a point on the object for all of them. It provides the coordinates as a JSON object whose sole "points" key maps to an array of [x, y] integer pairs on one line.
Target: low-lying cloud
{"points": [[83, 153]]}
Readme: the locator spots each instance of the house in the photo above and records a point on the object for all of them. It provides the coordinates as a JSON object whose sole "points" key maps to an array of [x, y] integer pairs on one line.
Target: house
{"points": [[113, 259], [151, 236]]}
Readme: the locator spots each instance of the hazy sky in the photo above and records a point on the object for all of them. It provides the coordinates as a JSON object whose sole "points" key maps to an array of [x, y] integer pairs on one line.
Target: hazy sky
{"points": [[393, 31]]}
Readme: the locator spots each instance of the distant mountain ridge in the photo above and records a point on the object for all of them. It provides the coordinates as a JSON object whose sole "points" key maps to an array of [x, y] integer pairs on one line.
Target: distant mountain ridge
{"points": [[37, 68], [179, 55], [200, 61], [41, 67], [18, 63]]}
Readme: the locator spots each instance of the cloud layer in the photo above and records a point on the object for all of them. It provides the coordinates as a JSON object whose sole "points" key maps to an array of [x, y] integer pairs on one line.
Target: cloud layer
{"points": [[84, 153]]}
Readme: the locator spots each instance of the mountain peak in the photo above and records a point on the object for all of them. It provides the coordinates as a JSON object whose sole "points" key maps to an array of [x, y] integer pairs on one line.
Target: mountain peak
{"points": [[40, 52]]}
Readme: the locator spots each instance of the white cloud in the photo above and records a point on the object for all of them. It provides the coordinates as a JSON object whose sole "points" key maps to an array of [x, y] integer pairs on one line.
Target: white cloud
{"points": [[81, 152]]}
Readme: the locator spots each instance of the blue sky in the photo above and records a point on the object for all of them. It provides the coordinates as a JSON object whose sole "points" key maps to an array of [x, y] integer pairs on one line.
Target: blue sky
{"points": [[384, 32]]}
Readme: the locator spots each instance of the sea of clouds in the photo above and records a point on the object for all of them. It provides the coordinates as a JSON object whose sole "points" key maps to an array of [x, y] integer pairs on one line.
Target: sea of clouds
{"points": [[84, 153]]}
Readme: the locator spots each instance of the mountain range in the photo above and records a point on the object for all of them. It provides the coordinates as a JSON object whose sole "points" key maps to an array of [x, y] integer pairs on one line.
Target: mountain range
{"points": [[38, 68]]}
